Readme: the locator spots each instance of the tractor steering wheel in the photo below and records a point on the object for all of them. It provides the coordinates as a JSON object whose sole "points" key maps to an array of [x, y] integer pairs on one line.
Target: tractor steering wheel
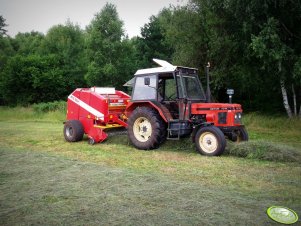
{"points": [[171, 97]]}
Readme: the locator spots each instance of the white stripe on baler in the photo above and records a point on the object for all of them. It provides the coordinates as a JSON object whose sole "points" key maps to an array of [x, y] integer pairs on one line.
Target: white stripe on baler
{"points": [[86, 106]]}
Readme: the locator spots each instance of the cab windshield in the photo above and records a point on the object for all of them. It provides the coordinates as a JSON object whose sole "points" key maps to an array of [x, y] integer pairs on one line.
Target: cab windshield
{"points": [[191, 86]]}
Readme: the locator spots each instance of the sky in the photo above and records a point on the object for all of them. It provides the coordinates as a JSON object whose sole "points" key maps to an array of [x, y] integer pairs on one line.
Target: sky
{"points": [[40, 15]]}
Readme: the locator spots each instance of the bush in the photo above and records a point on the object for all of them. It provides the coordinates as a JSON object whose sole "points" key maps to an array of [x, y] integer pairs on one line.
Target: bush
{"points": [[50, 106], [265, 151]]}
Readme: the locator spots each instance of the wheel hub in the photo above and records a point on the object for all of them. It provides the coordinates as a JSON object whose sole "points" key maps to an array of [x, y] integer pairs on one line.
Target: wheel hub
{"points": [[208, 142], [69, 131], [142, 129]]}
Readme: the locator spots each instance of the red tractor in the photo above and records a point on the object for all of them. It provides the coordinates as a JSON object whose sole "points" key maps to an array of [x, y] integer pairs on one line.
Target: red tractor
{"points": [[167, 102]]}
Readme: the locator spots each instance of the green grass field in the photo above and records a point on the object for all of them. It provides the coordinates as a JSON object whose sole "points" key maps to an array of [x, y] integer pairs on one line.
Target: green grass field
{"points": [[47, 181]]}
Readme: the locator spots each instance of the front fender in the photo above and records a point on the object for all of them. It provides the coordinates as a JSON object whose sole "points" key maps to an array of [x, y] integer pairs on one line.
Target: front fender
{"points": [[197, 127]]}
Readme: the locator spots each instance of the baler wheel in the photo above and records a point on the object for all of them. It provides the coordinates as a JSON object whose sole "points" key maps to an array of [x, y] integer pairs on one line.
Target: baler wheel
{"points": [[91, 141], [146, 129], [210, 141], [73, 131]]}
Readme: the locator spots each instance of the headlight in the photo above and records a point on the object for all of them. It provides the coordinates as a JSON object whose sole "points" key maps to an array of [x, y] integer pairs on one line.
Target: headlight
{"points": [[237, 118]]}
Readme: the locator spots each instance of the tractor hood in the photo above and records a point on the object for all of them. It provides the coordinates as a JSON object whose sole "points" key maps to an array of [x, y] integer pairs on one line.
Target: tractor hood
{"points": [[196, 108]]}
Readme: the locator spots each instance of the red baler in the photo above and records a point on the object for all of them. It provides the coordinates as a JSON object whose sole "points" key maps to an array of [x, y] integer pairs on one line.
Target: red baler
{"points": [[96, 109]]}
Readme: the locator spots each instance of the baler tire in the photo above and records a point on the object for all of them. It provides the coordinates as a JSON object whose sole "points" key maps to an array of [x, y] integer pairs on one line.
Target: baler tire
{"points": [[91, 141], [146, 129], [73, 131], [210, 141]]}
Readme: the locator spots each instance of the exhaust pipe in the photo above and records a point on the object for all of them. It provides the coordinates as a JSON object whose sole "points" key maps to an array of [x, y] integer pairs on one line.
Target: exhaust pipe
{"points": [[208, 92], [230, 92]]}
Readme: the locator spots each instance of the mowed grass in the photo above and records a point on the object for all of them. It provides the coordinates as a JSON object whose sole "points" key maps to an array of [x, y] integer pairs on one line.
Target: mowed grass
{"points": [[45, 180]]}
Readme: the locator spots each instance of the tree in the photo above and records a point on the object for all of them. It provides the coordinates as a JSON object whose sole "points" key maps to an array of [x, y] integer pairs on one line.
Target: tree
{"points": [[278, 46], [2, 26], [264, 39], [31, 79], [185, 31], [6, 49], [67, 44], [28, 43], [227, 33], [268, 46], [108, 50], [153, 43]]}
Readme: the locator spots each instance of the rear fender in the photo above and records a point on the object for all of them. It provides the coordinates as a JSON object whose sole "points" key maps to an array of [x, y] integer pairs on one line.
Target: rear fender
{"points": [[133, 105]]}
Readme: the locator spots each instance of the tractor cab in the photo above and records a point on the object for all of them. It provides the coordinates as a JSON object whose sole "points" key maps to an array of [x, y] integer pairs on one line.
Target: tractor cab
{"points": [[169, 87], [177, 90]]}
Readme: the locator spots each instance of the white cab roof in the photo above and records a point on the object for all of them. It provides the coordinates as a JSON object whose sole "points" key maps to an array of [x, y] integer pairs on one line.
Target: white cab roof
{"points": [[165, 67]]}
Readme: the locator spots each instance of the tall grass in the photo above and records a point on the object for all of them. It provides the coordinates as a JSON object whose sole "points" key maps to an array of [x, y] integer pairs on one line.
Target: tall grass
{"points": [[52, 111], [275, 122], [50, 107]]}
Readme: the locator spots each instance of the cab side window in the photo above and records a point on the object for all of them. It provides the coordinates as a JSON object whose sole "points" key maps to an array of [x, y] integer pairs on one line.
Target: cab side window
{"points": [[143, 91]]}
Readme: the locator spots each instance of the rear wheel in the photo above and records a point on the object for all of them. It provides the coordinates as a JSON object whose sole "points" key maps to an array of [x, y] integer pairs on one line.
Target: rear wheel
{"points": [[146, 130], [73, 131], [210, 141]]}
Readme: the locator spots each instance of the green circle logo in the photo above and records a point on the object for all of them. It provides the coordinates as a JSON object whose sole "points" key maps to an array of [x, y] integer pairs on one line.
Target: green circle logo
{"points": [[282, 214]]}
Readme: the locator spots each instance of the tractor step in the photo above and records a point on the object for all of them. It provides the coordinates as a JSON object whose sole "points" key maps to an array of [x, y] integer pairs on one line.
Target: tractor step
{"points": [[178, 128]]}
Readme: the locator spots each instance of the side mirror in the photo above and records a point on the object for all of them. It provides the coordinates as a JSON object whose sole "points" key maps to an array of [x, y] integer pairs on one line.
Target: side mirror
{"points": [[147, 81]]}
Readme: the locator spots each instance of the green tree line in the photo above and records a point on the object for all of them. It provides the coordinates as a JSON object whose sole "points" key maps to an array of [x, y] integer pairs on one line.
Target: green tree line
{"points": [[254, 47]]}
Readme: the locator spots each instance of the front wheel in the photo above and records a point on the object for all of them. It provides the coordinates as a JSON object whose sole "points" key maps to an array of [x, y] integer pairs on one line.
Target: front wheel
{"points": [[210, 141], [240, 135]]}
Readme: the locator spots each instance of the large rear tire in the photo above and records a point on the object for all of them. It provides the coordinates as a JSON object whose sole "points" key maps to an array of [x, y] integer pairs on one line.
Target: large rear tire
{"points": [[73, 131], [146, 129], [210, 141]]}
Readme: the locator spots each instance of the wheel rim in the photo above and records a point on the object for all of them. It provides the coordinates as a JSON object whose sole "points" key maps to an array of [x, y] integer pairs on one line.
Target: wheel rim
{"points": [[142, 129], [69, 132], [208, 142]]}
